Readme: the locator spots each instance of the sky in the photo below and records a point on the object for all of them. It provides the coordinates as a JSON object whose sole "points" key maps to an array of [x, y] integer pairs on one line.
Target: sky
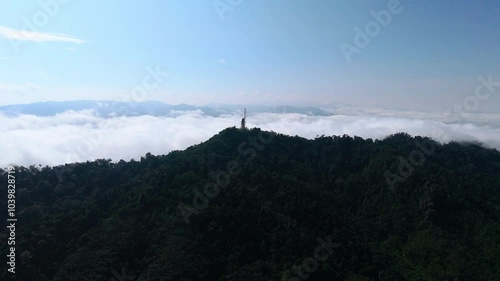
{"points": [[417, 54]]}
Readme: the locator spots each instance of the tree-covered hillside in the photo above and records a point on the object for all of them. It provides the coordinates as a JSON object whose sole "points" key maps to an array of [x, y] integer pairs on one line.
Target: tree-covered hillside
{"points": [[256, 205]]}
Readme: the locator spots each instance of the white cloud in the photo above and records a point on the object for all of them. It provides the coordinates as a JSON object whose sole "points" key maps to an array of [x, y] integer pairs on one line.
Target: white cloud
{"points": [[37, 36], [81, 136], [222, 61]]}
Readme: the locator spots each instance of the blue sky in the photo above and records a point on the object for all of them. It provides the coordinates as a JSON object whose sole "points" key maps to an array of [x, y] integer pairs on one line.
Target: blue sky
{"points": [[428, 57]]}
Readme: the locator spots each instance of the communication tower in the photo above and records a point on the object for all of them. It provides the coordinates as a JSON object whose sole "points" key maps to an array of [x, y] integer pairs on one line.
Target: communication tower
{"points": [[243, 121]]}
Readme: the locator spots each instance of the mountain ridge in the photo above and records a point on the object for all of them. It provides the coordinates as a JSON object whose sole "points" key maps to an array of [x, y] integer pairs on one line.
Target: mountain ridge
{"points": [[107, 108], [265, 221]]}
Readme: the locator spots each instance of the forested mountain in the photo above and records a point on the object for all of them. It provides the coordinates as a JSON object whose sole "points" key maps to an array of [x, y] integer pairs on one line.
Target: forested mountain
{"points": [[255, 205]]}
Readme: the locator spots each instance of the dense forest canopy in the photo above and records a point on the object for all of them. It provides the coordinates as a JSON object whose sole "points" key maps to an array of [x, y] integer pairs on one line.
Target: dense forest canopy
{"points": [[256, 205]]}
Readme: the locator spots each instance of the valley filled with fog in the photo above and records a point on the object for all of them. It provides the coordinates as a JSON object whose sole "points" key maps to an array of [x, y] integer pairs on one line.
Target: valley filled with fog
{"points": [[86, 130]]}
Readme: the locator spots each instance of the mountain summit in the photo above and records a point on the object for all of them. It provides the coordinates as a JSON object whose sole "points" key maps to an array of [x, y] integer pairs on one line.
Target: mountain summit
{"points": [[257, 205]]}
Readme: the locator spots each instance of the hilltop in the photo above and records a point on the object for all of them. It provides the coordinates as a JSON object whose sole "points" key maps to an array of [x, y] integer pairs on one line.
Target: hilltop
{"points": [[257, 205]]}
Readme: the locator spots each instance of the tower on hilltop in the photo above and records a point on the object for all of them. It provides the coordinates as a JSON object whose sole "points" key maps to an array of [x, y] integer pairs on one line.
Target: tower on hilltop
{"points": [[243, 121]]}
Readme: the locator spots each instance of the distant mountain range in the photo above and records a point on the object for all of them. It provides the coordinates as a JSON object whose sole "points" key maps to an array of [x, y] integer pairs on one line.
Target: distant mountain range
{"points": [[108, 108], [154, 108]]}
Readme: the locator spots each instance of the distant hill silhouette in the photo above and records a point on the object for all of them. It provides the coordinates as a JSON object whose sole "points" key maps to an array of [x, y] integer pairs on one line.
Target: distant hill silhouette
{"points": [[154, 108]]}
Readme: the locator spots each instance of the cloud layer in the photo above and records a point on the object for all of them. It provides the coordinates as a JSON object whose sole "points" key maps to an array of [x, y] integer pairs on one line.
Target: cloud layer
{"points": [[37, 36], [80, 136]]}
